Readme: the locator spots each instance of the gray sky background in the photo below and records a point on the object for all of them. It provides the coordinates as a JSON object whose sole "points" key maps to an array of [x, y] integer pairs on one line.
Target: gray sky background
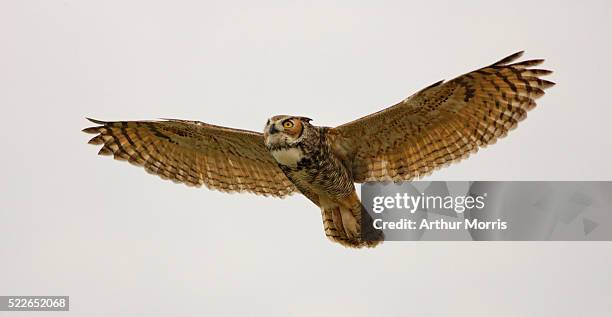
{"points": [[121, 242]]}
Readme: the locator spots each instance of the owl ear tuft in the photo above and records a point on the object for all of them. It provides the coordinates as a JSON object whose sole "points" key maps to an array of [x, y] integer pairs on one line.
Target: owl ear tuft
{"points": [[305, 119]]}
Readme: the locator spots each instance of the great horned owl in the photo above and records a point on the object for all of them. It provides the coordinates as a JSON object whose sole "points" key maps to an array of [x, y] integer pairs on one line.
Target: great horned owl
{"points": [[440, 124]]}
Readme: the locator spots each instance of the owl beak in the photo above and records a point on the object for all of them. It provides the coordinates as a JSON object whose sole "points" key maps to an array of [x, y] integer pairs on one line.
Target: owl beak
{"points": [[273, 129]]}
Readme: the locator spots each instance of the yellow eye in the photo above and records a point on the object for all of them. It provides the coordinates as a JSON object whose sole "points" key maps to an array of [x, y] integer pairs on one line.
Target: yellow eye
{"points": [[287, 124]]}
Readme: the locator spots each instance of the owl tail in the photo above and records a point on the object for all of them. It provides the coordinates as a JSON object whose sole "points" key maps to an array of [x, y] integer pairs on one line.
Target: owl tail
{"points": [[347, 222]]}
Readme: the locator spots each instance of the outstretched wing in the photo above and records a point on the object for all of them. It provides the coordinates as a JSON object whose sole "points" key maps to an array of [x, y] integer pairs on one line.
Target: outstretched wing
{"points": [[195, 153], [442, 123]]}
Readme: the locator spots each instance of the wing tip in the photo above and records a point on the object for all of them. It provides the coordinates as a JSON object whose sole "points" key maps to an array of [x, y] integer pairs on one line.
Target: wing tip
{"points": [[96, 121], [91, 130], [97, 140], [547, 83], [94, 130], [509, 59], [105, 151]]}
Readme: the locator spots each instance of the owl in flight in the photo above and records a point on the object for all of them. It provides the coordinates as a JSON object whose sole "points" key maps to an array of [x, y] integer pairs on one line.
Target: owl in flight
{"points": [[440, 124]]}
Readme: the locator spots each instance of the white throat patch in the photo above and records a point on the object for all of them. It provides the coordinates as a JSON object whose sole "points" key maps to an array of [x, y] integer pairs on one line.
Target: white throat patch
{"points": [[289, 157]]}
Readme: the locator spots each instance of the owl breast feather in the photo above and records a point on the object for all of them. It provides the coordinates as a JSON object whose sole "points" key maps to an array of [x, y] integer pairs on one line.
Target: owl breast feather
{"points": [[288, 157]]}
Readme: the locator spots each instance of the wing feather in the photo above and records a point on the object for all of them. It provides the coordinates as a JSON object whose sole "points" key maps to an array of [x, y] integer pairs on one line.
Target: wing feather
{"points": [[194, 153], [442, 123]]}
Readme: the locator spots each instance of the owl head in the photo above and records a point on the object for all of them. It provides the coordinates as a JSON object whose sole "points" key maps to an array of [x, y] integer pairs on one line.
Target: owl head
{"points": [[284, 130]]}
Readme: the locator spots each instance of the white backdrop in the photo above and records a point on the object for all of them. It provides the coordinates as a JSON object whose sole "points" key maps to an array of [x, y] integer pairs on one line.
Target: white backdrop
{"points": [[121, 242]]}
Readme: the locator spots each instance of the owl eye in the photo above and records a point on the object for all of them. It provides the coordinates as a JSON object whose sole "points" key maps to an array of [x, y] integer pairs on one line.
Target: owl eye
{"points": [[287, 124]]}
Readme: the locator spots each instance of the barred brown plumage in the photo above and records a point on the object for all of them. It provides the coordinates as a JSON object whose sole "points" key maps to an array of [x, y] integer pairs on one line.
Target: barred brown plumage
{"points": [[195, 154], [441, 124], [444, 122]]}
